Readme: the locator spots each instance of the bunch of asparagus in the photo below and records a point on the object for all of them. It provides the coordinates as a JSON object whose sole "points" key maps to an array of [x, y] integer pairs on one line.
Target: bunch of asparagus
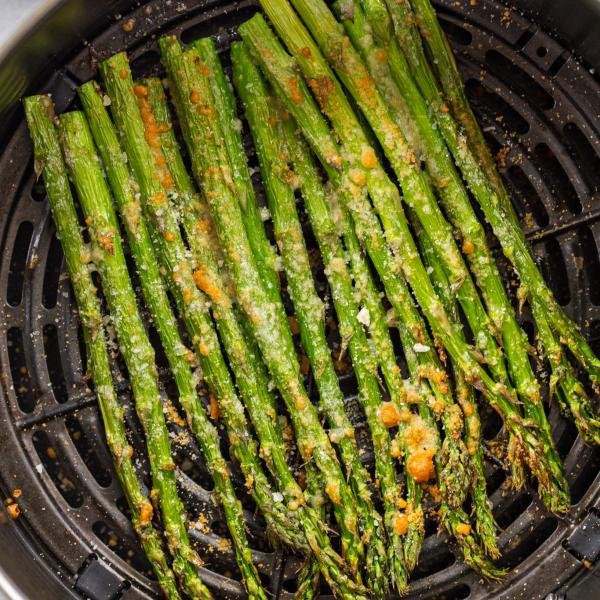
{"points": [[328, 103]]}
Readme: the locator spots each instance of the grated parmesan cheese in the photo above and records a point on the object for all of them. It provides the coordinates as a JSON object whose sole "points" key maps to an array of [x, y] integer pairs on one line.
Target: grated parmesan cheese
{"points": [[418, 347], [363, 316]]}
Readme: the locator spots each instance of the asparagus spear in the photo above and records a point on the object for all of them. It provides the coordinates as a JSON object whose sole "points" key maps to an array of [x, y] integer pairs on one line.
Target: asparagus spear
{"points": [[249, 372], [263, 251], [452, 87], [194, 209], [308, 579], [212, 172], [381, 342], [449, 464], [484, 519], [227, 116], [250, 377], [453, 517], [264, 254], [478, 168], [452, 465], [134, 344], [279, 68], [348, 65], [411, 112], [417, 390], [192, 304], [568, 390], [39, 111], [155, 296], [280, 181]]}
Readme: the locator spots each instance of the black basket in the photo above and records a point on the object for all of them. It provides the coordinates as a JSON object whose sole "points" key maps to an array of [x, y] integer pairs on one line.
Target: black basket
{"points": [[533, 99]]}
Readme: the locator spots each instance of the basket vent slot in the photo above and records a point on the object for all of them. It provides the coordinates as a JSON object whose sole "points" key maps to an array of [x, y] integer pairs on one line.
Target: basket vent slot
{"points": [[564, 194], [18, 369], [38, 191], [584, 154], [530, 204], [526, 543], [495, 109], [433, 562], [56, 466], [18, 264], [456, 33], [145, 65], [510, 511], [460, 592], [518, 80], [555, 271], [123, 548], [84, 445], [55, 370], [585, 478], [52, 274]]}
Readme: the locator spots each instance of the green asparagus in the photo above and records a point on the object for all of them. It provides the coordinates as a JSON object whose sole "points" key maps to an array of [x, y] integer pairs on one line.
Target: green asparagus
{"points": [[262, 249], [301, 528], [155, 296], [478, 168], [107, 251], [309, 576], [211, 169], [280, 181], [411, 112], [297, 99], [192, 305], [39, 111], [484, 519], [350, 68]]}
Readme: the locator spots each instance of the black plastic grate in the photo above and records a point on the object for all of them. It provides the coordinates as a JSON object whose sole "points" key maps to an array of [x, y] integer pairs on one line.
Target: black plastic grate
{"points": [[534, 101]]}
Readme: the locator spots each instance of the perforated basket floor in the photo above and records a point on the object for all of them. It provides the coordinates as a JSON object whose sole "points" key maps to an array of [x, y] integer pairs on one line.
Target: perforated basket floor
{"points": [[534, 101]]}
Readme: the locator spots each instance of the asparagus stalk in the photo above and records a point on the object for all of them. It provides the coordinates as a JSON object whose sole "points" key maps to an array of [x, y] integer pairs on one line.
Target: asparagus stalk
{"points": [[365, 367], [564, 385], [417, 193], [192, 304], [277, 67], [280, 70], [478, 168], [155, 296], [138, 354], [39, 111], [435, 392], [249, 372], [418, 390], [411, 112], [200, 228], [308, 580], [263, 251], [280, 180], [452, 516], [449, 77], [212, 172], [250, 377], [449, 464], [452, 464], [378, 329], [385, 355], [484, 519], [195, 217]]}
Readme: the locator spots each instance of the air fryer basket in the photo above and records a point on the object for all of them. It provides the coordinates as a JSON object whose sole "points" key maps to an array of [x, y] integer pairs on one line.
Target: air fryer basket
{"points": [[536, 103]]}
